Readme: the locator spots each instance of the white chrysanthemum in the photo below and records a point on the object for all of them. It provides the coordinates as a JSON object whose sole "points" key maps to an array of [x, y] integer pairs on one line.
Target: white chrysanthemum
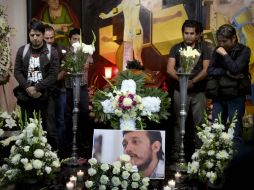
{"points": [[128, 86], [38, 153], [211, 152], [127, 124], [92, 171], [92, 161], [37, 164], [88, 184], [209, 164], [151, 104], [107, 106]]}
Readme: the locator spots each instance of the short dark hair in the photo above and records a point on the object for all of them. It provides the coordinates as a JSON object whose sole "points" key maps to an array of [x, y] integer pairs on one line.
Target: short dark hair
{"points": [[49, 28], [74, 31], [227, 31], [36, 25], [153, 136], [191, 24]]}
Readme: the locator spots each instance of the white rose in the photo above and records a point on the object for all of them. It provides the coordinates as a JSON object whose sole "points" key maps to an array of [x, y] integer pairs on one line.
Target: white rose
{"points": [[134, 185], [104, 179], [24, 160], [124, 184], [15, 159], [92, 161], [135, 177], [104, 167], [56, 163], [127, 102], [88, 184], [102, 187], [92, 171], [125, 175], [115, 181], [125, 158]]}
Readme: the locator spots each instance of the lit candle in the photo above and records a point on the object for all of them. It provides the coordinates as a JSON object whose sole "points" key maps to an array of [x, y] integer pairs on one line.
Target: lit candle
{"points": [[177, 177], [80, 175], [73, 179], [69, 185], [166, 188], [172, 184]]}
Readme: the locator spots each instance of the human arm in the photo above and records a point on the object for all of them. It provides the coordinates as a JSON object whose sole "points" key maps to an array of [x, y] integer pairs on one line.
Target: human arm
{"points": [[113, 12], [239, 64], [171, 68]]}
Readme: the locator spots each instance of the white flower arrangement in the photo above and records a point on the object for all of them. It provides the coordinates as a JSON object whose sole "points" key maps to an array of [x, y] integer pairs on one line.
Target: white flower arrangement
{"points": [[208, 162], [5, 64], [188, 59], [74, 60], [127, 109], [120, 175], [31, 156], [9, 122]]}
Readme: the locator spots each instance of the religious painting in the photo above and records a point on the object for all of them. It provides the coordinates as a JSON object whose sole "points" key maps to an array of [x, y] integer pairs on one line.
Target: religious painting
{"points": [[146, 149], [62, 15], [144, 30]]}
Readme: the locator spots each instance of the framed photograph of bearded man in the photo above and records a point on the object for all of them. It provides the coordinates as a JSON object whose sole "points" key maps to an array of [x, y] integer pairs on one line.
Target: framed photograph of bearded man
{"points": [[146, 149], [62, 15]]}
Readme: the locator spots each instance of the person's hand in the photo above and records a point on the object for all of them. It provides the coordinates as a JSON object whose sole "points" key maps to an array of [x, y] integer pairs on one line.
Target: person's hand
{"points": [[61, 75], [31, 90], [37, 95], [221, 51], [102, 15], [190, 84]]}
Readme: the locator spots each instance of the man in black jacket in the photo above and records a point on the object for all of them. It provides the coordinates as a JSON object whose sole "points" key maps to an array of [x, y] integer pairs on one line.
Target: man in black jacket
{"points": [[230, 65], [36, 69]]}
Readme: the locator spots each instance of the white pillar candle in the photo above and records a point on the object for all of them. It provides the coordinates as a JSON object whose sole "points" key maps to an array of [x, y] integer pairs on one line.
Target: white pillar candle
{"points": [[177, 177], [166, 188], [73, 179], [80, 175], [172, 184], [69, 186]]}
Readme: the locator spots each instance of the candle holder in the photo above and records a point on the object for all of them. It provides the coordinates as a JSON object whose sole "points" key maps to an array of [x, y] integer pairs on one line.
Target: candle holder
{"points": [[183, 82], [76, 83]]}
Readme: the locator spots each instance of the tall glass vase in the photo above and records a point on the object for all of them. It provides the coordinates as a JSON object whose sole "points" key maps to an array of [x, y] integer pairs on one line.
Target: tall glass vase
{"points": [[76, 83], [183, 82]]}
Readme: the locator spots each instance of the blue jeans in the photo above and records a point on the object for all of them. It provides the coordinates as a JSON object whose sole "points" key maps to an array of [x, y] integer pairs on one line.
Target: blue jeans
{"points": [[227, 108]]}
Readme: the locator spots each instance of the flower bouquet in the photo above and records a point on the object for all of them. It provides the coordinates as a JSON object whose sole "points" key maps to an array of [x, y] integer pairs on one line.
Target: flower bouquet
{"points": [[31, 156], [128, 104], [75, 59], [120, 175], [188, 59], [208, 162], [5, 64]]}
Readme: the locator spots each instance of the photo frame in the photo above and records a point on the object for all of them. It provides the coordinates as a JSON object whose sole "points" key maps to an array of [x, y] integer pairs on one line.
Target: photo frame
{"points": [[109, 145]]}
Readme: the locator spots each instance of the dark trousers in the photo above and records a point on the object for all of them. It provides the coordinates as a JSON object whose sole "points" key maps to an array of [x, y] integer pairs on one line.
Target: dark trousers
{"points": [[46, 108]]}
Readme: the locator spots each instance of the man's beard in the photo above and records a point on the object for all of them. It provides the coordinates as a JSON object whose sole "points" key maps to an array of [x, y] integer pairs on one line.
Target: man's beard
{"points": [[145, 165]]}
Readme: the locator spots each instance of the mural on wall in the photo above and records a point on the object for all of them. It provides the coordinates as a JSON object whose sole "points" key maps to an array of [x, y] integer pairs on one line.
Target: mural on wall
{"points": [[146, 32], [60, 14]]}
